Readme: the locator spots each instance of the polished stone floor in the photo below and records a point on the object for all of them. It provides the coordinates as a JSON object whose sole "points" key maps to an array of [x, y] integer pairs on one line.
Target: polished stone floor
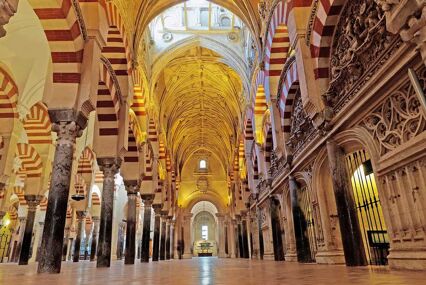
{"points": [[203, 271]]}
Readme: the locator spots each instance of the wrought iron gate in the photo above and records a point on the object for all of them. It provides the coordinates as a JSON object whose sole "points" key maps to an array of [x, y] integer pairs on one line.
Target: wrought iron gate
{"points": [[368, 206], [5, 236], [306, 208]]}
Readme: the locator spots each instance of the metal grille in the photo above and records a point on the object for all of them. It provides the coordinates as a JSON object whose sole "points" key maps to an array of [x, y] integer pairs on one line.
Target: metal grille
{"points": [[4, 244], [306, 208], [369, 209]]}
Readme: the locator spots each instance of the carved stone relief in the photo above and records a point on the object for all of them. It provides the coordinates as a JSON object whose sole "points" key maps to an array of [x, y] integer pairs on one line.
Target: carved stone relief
{"points": [[302, 128], [8, 8], [399, 118], [361, 45]]}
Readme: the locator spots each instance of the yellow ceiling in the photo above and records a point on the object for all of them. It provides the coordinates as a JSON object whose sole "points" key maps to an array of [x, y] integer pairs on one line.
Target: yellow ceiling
{"points": [[199, 104]]}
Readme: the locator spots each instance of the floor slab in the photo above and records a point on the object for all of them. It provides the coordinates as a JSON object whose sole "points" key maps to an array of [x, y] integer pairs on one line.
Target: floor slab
{"points": [[204, 271]]}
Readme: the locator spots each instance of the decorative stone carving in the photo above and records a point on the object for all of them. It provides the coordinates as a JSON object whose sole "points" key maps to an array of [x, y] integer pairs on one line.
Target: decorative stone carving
{"points": [[387, 4], [8, 8], [398, 119], [202, 184], [360, 46], [302, 128]]}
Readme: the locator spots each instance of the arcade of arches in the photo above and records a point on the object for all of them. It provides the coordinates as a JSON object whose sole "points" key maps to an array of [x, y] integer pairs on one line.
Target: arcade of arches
{"points": [[291, 130]]}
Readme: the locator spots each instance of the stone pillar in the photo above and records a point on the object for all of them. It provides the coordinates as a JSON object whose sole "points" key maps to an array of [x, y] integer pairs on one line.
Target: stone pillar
{"points": [[168, 237], [221, 228], [32, 201], [232, 239], [172, 239], [81, 219], [156, 241], [39, 234], [246, 253], [53, 233], [109, 167], [240, 237], [65, 243], [146, 234], [187, 236], [348, 218], [163, 235], [132, 188], [95, 234]]}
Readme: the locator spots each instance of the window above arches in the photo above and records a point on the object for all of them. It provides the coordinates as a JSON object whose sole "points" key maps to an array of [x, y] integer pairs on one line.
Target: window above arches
{"points": [[202, 165]]}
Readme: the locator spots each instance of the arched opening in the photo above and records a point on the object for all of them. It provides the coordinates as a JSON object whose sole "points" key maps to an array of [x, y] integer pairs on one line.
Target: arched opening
{"points": [[366, 202], [204, 229]]}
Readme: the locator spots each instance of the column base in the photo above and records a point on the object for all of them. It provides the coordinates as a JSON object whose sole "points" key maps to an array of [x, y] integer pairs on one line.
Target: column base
{"points": [[413, 259], [187, 256], [222, 255], [330, 257], [291, 257], [269, 256]]}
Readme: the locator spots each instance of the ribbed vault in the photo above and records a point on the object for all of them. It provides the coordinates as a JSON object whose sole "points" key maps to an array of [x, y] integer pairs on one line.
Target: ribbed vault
{"points": [[200, 99]]}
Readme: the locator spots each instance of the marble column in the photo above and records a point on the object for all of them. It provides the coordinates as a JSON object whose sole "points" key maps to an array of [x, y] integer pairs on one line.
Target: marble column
{"points": [[187, 236], [132, 188], [53, 233], [240, 237], [156, 241], [109, 167], [95, 234], [168, 233], [41, 226], [81, 220], [32, 201], [146, 233], [221, 228], [232, 239], [163, 235], [353, 246], [65, 243], [302, 241], [172, 239], [246, 253]]}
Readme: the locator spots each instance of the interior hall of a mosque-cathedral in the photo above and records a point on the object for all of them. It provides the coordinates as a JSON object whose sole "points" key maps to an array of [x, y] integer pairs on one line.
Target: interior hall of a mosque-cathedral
{"points": [[288, 130]]}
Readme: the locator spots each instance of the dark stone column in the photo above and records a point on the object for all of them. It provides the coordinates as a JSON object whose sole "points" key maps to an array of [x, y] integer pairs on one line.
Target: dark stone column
{"points": [[65, 243], [32, 201], [168, 234], [81, 218], [276, 230], [146, 233], [41, 224], [172, 239], [302, 241], [348, 220], [163, 235], [240, 237], [95, 235], [156, 241], [109, 167], [53, 232], [246, 253], [132, 188]]}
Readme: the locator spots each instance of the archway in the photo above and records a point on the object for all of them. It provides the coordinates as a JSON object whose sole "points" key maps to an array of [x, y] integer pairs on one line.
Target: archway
{"points": [[204, 229]]}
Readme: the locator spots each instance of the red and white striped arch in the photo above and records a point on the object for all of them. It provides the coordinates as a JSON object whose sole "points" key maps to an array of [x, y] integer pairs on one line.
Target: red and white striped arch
{"points": [[277, 47], [37, 125], [85, 162], [327, 17], [19, 191], [96, 200], [8, 96], [60, 23], [132, 154], [152, 131], [31, 163], [289, 87]]}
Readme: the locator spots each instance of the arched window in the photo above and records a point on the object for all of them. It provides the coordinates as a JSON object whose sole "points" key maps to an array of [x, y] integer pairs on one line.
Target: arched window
{"points": [[203, 164]]}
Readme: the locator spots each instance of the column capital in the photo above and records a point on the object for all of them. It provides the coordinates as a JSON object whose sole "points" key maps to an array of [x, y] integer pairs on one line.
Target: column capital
{"points": [[33, 201], [164, 214], [132, 186], [148, 199], [96, 219], [109, 166], [81, 215], [8, 8], [157, 209]]}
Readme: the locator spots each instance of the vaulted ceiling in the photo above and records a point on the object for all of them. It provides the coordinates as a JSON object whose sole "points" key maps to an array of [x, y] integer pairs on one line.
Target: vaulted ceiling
{"points": [[199, 99]]}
